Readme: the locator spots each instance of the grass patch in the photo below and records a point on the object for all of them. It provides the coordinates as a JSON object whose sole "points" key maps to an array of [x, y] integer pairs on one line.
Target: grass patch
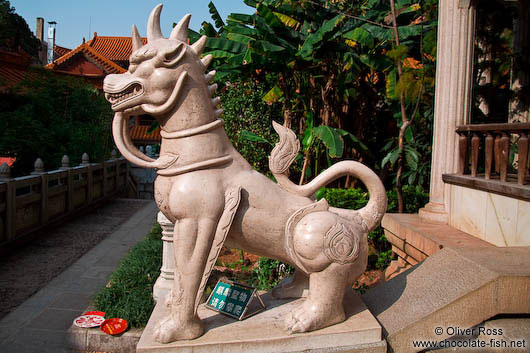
{"points": [[128, 294]]}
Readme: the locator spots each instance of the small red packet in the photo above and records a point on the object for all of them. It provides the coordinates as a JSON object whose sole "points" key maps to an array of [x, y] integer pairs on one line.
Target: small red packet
{"points": [[98, 313], [114, 326]]}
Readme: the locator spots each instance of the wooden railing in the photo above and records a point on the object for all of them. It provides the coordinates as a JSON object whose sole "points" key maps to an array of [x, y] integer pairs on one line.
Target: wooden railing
{"points": [[31, 202], [484, 155]]}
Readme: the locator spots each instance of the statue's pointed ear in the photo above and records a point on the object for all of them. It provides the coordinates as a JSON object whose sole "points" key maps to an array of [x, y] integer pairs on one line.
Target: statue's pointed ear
{"points": [[174, 55]]}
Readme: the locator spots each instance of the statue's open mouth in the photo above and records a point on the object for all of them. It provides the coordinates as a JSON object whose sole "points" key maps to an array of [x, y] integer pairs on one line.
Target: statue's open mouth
{"points": [[130, 92]]}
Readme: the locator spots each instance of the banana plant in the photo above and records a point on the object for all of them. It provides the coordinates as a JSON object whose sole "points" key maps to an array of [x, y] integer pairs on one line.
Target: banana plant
{"points": [[323, 56]]}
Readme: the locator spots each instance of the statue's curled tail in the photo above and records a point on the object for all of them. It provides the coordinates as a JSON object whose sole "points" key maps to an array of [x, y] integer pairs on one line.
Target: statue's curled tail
{"points": [[284, 154]]}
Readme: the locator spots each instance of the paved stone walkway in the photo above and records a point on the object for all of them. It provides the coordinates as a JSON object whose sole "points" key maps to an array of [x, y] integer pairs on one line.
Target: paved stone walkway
{"points": [[40, 324]]}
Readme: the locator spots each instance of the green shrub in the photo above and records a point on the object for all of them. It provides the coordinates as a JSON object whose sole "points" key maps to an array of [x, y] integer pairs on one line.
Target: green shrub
{"points": [[244, 109], [129, 292], [52, 116]]}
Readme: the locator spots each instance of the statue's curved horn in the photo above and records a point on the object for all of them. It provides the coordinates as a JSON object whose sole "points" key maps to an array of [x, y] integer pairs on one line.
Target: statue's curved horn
{"points": [[153, 24], [136, 40], [180, 31]]}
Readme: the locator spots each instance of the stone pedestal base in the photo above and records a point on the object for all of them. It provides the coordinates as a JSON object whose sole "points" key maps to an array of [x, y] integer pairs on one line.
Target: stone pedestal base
{"points": [[265, 332], [434, 212], [161, 288]]}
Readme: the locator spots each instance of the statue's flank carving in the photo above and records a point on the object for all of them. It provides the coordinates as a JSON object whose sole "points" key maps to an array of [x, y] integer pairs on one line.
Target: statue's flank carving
{"points": [[214, 197]]}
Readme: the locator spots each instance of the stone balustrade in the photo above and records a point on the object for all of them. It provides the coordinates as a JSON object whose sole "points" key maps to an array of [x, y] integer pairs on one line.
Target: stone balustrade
{"points": [[31, 202]]}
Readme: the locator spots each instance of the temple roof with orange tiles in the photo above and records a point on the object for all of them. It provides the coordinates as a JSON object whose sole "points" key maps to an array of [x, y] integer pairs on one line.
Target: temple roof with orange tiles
{"points": [[117, 49], [96, 58], [15, 67]]}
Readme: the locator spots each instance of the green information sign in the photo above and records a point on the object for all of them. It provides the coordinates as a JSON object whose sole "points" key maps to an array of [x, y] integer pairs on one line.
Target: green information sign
{"points": [[234, 299]]}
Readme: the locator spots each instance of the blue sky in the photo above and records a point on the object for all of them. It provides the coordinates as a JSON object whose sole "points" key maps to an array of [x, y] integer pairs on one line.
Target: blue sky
{"points": [[81, 18]]}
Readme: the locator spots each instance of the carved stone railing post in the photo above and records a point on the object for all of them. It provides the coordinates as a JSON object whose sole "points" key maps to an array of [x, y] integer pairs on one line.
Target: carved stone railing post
{"points": [[85, 160], [65, 162], [38, 169], [454, 68], [167, 271]]}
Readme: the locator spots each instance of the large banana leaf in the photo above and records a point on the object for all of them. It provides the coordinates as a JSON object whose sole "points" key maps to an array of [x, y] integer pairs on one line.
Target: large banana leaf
{"points": [[208, 30], [225, 45], [241, 18], [236, 27], [269, 16], [240, 38], [315, 40], [216, 17], [287, 20], [360, 35], [331, 139], [266, 47], [251, 3], [273, 95]]}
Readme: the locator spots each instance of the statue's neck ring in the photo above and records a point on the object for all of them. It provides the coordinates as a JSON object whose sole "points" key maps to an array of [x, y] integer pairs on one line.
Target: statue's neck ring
{"points": [[192, 131], [209, 163]]}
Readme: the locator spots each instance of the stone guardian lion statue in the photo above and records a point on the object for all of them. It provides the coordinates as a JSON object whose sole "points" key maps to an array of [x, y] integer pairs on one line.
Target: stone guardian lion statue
{"points": [[214, 197]]}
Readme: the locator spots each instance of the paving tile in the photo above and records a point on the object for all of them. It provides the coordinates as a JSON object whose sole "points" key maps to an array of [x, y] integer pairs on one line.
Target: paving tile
{"points": [[6, 332], [21, 315], [32, 340], [71, 301], [53, 320], [42, 298], [65, 278], [101, 272], [83, 285]]}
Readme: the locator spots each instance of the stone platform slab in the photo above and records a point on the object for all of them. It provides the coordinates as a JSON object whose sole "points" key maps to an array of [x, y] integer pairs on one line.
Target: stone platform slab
{"points": [[265, 332]]}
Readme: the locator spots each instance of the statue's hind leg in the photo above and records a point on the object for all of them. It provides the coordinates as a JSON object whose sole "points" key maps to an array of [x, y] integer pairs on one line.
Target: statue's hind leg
{"points": [[334, 253]]}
